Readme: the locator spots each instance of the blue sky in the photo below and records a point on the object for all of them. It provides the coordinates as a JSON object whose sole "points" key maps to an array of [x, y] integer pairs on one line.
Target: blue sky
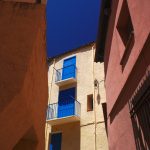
{"points": [[70, 24]]}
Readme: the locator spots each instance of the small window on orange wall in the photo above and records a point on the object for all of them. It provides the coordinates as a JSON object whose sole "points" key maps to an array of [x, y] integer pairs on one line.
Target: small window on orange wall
{"points": [[90, 102]]}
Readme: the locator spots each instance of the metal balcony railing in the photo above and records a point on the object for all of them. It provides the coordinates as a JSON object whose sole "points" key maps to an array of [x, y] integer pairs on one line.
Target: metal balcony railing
{"points": [[55, 111], [66, 73]]}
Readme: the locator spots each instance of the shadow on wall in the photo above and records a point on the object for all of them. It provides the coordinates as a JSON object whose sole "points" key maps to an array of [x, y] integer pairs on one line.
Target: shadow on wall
{"points": [[104, 107], [12, 82], [16, 48], [139, 106], [134, 79], [110, 31], [96, 86], [98, 98], [28, 141]]}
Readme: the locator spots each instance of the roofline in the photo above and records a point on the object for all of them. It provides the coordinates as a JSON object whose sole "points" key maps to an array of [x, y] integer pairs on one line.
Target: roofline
{"points": [[49, 59], [105, 11]]}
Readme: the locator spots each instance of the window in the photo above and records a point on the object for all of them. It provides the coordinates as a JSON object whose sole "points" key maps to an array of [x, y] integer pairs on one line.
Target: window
{"points": [[124, 25], [66, 102], [90, 102], [69, 68], [126, 32], [56, 140], [140, 112]]}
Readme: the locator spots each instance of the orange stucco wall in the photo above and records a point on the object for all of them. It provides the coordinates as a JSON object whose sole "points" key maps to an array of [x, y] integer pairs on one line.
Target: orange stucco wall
{"points": [[23, 75]]}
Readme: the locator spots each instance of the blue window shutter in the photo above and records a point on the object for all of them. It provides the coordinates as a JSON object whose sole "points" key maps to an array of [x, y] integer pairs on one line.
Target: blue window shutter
{"points": [[69, 68], [66, 103], [56, 141]]}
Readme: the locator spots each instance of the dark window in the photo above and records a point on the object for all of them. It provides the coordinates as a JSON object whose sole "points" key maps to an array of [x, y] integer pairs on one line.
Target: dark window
{"points": [[90, 102], [56, 140], [126, 32], [124, 25], [104, 107]]}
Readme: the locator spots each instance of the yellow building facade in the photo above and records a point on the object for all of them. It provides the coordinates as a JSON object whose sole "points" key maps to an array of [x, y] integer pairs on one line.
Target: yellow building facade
{"points": [[77, 103]]}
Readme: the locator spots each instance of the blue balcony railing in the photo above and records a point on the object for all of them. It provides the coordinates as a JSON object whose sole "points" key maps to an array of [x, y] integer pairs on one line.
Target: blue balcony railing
{"points": [[56, 111], [65, 73]]}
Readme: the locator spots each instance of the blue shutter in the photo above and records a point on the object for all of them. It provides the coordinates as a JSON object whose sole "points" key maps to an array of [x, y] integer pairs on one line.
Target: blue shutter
{"points": [[55, 141], [66, 102], [69, 68]]}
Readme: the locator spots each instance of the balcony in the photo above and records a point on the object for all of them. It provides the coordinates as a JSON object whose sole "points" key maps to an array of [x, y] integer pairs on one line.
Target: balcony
{"points": [[66, 75], [61, 114]]}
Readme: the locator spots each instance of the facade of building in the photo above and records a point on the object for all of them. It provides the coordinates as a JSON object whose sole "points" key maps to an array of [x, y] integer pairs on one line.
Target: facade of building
{"points": [[75, 119], [23, 75], [124, 39]]}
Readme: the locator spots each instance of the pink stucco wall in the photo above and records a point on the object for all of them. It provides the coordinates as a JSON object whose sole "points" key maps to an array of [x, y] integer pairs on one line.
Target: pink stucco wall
{"points": [[121, 83]]}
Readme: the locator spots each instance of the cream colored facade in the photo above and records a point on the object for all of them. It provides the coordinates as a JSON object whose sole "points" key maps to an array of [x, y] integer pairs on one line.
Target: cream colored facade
{"points": [[89, 133]]}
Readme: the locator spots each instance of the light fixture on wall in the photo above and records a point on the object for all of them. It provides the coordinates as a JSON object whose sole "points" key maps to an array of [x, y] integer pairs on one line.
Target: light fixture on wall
{"points": [[96, 83]]}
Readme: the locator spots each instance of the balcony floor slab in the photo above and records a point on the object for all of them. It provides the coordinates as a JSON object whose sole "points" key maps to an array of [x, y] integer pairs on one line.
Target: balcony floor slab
{"points": [[66, 81], [63, 120]]}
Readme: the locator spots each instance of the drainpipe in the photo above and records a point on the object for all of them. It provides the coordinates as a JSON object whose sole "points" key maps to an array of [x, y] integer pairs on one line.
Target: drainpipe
{"points": [[50, 91], [95, 120], [51, 82]]}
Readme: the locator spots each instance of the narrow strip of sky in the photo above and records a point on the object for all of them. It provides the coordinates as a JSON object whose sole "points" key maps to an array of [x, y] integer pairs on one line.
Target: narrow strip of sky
{"points": [[70, 24]]}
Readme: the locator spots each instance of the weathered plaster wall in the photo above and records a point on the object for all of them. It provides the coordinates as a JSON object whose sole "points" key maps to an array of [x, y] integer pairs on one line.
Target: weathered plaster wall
{"points": [[23, 77], [121, 83], [114, 49], [70, 135], [88, 137], [86, 73]]}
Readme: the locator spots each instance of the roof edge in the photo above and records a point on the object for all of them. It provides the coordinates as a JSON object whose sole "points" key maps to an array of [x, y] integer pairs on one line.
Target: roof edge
{"points": [[102, 30], [49, 59]]}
